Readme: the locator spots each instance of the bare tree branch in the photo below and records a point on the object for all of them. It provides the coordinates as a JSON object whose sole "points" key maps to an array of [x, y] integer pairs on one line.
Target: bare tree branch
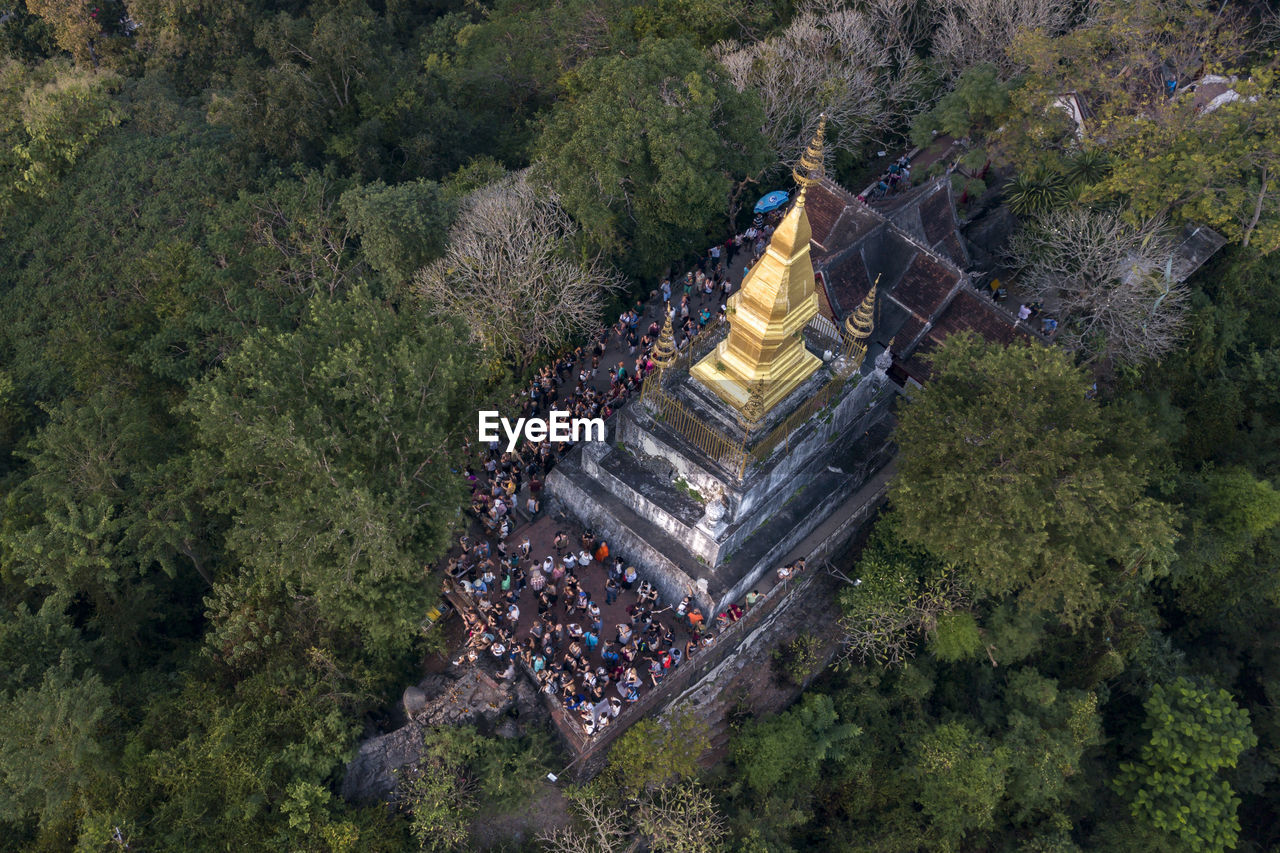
{"points": [[510, 274], [1108, 281], [855, 66], [888, 631], [973, 32], [602, 827]]}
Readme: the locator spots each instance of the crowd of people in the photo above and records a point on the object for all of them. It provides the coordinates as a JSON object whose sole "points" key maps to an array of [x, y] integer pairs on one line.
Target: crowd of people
{"points": [[593, 666], [896, 177]]}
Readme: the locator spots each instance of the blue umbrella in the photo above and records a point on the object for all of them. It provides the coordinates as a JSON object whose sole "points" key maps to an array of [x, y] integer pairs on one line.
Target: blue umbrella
{"points": [[772, 201]]}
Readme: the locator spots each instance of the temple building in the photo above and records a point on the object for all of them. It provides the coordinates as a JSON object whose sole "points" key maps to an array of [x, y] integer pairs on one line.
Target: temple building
{"points": [[746, 440]]}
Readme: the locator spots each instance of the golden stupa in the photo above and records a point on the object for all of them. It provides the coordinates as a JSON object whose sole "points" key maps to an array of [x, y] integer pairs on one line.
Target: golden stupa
{"points": [[764, 351]]}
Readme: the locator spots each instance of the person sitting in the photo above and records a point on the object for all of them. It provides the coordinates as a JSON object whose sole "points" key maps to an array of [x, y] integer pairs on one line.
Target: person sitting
{"points": [[735, 612], [753, 597], [630, 684], [656, 673], [664, 633]]}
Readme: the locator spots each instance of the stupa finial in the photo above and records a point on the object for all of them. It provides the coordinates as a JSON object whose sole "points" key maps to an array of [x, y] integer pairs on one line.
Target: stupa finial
{"points": [[810, 169], [664, 351], [860, 323]]}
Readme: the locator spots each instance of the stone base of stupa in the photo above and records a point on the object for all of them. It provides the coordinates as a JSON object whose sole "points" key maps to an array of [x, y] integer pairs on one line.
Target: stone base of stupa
{"points": [[712, 529]]}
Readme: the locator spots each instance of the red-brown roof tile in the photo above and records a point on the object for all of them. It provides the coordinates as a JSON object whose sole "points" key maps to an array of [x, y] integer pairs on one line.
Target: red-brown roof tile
{"points": [[925, 286]]}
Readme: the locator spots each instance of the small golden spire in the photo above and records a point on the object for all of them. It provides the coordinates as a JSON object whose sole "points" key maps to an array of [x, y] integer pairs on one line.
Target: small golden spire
{"points": [[809, 170], [860, 323], [663, 353]]}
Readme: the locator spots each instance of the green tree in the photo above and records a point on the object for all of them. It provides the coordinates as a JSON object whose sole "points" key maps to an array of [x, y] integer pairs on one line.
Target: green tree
{"points": [[1219, 168], [1008, 470], [73, 24], [956, 637], [976, 106], [643, 150], [1174, 785], [788, 751], [331, 447], [961, 777], [49, 117], [193, 40], [1231, 538], [52, 757], [401, 227], [24, 36], [83, 516], [1048, 731], [655, 752]]}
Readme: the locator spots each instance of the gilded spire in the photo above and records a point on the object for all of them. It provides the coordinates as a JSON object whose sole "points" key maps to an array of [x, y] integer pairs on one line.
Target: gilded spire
{"points": [[810, 169], [763, 358], [860, 323], [664, 351]]}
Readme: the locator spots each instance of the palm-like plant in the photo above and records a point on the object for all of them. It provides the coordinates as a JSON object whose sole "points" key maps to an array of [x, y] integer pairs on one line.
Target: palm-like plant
{"points": [[1036, 192], [1088, 167]]}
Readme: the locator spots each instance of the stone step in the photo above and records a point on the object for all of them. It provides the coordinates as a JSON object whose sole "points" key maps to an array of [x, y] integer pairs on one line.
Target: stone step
{"points": [[635, 538], [633, 474]]}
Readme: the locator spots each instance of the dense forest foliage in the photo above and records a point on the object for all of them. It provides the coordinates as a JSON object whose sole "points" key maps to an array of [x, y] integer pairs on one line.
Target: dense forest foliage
{"points": [[233, 402]]}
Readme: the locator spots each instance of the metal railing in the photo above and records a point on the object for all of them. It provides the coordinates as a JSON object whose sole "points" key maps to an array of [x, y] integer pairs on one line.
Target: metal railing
{"points": [[697, 346], [782, 432], [713, 443]]}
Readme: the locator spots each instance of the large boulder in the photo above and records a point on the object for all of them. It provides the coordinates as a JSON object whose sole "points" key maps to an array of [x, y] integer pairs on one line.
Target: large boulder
{"points": [[469, 697]]}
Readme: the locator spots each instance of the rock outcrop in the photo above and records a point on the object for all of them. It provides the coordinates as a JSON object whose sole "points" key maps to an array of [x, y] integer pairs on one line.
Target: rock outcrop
{"points": [[467, 697]]}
